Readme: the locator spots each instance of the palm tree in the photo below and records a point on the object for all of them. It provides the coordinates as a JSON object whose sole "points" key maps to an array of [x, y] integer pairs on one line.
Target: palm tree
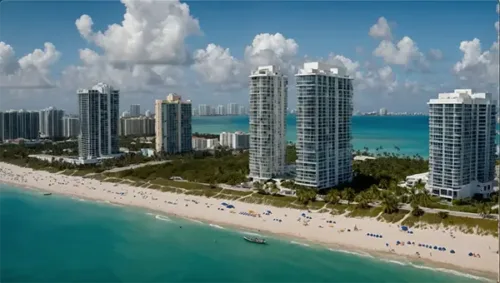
{"points": [[332, 197], [363, 200], [348, 194], [389, 202], [374, 192]]}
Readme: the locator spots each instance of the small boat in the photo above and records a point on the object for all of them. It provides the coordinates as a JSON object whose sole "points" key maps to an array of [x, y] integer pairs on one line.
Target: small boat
{"points": [[47, 194], [255, 240]]}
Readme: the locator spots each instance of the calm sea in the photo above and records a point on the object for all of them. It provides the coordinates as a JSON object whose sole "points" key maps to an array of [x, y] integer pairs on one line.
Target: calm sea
{"points": [[59, 239], [409, 133]]}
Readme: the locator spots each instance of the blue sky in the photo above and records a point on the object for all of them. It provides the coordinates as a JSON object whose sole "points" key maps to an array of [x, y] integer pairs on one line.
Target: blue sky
{"points": [[320, 30]]}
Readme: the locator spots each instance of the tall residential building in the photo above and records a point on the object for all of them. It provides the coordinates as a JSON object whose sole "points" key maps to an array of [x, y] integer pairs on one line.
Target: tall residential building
{"points": [[137, 126], [382, 112], [135, 110], [71, 126], [51, 123], [204, 110], [232, 109], [242, 110], [17, 124], [173, 125], [99, 119], [220, 110], [462, 144], [268, 103], [324, 113]]}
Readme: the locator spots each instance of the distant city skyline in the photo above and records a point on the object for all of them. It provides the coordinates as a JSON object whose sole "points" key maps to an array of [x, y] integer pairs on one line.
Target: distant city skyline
{"points": [[394, 51]]}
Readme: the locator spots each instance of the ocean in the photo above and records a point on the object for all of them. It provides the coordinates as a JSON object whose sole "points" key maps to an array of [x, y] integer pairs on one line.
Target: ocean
{"points": [[61, 239], [409, 133]]}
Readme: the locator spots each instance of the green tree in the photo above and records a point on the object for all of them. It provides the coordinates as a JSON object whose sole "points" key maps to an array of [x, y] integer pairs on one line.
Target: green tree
{"points": [[348, 194], [333, 196], [389, 202]]}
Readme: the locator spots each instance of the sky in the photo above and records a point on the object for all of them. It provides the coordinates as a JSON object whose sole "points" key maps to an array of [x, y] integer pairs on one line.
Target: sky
{"points": [[399, 53]]}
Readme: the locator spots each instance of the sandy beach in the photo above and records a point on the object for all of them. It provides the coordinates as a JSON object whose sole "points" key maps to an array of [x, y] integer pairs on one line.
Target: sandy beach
{"points": [[335, 231]]}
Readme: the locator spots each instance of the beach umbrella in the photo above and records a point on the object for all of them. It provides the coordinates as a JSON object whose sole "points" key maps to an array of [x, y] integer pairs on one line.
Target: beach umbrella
{"points": [[419, 245], [224, 204], [303, 215], [404, 228], [380, 236], [409, 243], [386, 244], [435, 247], [452, 251], [398, 242], [367, 234], [471, 254]]}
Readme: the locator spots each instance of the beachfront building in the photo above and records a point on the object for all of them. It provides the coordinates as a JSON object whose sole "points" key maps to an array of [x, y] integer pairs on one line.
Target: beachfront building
{"points": [[71, 126], [173, 125], [324, 112], [51, 123], [19, 124], [268, 103], [99, 117], [461, 144], [236, 140], [138, 126]]}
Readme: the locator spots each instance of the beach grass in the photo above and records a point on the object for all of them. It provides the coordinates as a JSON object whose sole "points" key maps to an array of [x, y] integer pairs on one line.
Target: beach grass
{"points": [[338, 209], [465, 224], [365, 212], [393, 217]]}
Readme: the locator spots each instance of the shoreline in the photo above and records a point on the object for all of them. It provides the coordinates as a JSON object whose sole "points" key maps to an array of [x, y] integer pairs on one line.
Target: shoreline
{"points": [[210, 215]]}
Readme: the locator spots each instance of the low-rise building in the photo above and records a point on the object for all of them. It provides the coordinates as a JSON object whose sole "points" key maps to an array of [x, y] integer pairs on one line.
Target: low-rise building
{"points": [[236, 140], [412, 180], [200, 143]]}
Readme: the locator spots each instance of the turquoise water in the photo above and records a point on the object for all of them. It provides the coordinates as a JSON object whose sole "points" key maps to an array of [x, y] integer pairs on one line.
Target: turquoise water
{"points": [[59, 239], [409, 133]]}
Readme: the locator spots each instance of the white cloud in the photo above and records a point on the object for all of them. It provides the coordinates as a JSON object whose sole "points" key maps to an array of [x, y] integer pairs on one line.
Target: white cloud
{"points": [[152, 32], [29, 72], [216, 65], [478, 67], [271, 49], [129, 77], [404, 53], [381, 29]]}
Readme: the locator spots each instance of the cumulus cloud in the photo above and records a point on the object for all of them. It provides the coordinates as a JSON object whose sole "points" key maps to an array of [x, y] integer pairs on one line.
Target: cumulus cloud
{"points": [[271, 49], [381, 29], [30, 71], [216, 65], [478, 67], [404, 53], [152, 32]]}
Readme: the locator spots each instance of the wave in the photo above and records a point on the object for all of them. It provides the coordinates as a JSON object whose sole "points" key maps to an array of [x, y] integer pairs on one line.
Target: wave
{"points": [[216, 226], [454, 272], [251, 234], [410, 264], [196, 221], [396, 262], [163, 218], [300, 244], [352, 253], [150, 214]]}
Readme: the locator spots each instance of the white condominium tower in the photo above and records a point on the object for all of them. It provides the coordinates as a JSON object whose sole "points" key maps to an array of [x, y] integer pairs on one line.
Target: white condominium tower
{"points": [[173, 125], [324, 112], [268, 102], [461, 144], [99, 118]]}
